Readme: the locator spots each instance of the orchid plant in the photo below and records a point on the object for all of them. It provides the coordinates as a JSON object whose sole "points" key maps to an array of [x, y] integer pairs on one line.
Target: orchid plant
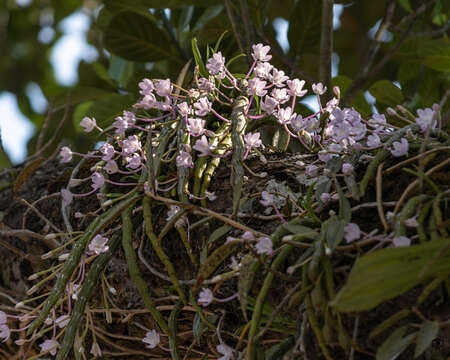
{"points": [[190, 131]]}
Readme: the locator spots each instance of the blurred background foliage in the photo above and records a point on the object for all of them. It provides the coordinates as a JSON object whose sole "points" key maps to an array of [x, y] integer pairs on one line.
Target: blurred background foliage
{"points": [[384, 52]]}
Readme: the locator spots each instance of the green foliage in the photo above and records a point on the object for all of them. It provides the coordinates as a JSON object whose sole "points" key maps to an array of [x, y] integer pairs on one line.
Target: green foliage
{"points": [[135, 37], [387, 273]]}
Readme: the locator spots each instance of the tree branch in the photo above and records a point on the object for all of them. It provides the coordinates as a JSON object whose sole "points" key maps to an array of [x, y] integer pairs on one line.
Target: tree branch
{"points": [[326, 43]]}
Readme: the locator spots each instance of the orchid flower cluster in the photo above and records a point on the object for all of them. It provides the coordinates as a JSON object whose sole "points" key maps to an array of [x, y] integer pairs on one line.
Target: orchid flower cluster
{"points": [[202, 113], [272, 94]]}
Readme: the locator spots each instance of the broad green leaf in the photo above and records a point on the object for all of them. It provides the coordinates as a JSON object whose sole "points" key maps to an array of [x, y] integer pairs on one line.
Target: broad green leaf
{"points": [[386, 92], [141, 7], [387, 273], [395, 344], [304, 27], [427, 333], [438, 62], [135, 37]]}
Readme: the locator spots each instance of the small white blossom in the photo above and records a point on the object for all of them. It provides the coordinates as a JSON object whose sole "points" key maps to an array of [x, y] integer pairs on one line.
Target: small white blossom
{"points": [[426, 118], [131, 145], [88, 124], [260, 52], [66, 154], [205, 297], [184, 109], [411, 222], [351, 232], [5, 332], [98, 244], [401, 241], [203, 146], [62, 320], [216, 64], [263, 69], [184, 159], [325, 197], [146, 87], [280, 95], [373, 140], [268, 104], [202, 107], [95, 350], [319, 89], [347, 168], [256, 87], [152, 339], [311, 171], [49, 346], [267, 199], [226, 351], [252, 140], [98, 180], [284, 115], [264, 245], [111, 167], [296, 87], [164, 87], [195, 126], [134, 161], [400, 148], [278, 77]]}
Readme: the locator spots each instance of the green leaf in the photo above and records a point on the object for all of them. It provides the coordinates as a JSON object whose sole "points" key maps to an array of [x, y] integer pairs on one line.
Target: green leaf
{"points": [[334, 229], [405, 5], [438, 62], [386, 92], [198, 59], [209, 14], [218, 233], [135, 37], [247, 273], [104, 110], [427, 333], [120, 70], [141, 7], [386, 273], [304, 28], [395, 344], [389, 322]]}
